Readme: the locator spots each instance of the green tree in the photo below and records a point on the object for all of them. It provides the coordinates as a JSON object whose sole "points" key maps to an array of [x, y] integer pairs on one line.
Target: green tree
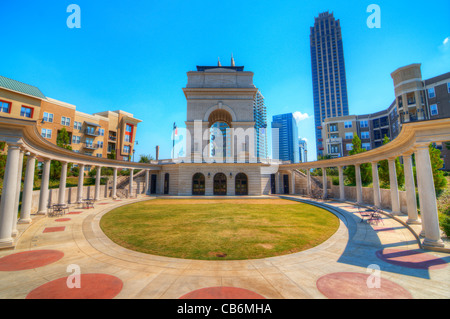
{"points": [[63, 141], [145, 158], [383, 170], [437, 163], [365, 169]]}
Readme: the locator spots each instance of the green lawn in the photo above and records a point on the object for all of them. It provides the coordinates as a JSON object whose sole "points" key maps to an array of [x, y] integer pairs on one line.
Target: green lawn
{"points": [[206, 228]]}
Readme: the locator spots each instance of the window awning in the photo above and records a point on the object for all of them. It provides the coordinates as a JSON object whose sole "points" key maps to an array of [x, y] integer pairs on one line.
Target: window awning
{"points": [[92, 124]]}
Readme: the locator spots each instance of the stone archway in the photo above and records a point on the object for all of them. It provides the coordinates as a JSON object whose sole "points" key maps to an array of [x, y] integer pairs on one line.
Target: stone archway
{"points": [[220, 184], [198, 184], [241, 184]]}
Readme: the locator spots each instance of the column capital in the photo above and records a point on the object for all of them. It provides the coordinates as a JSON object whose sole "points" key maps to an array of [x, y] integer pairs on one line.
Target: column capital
{"points": [[409, 153], [422, 145], [392, 159]]}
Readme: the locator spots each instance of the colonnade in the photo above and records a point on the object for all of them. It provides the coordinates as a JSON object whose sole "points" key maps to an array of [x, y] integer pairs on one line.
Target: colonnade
{"points": [[426, 190], [9, 205]]}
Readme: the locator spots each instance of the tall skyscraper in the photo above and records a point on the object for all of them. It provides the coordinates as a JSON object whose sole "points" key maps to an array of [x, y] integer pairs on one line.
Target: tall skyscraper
{"points": [[260, 118], [285, 138], [328, 73]]}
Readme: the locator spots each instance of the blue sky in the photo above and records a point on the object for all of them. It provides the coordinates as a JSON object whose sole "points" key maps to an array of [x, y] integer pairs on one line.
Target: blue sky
{"points": [[134, 55]]}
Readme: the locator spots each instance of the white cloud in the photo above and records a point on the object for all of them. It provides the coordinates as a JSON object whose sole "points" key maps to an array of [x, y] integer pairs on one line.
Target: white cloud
{"points": [[299, 116], [446, 41]]}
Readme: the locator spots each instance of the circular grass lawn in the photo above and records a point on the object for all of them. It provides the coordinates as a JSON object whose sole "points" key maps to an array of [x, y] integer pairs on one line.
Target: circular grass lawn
{"points": [[219, 229]]}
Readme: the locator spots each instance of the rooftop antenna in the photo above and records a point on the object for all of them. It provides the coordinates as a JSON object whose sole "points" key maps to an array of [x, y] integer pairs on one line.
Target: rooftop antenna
{"points": [[232, 60], [218, 62]]}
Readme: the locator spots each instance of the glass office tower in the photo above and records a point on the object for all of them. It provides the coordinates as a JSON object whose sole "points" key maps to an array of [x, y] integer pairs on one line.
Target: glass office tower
{"points": [[285, 138], [328, 73]]}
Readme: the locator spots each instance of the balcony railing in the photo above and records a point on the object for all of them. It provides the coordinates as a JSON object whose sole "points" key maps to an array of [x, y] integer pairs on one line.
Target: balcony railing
{"points": [[91, 132], [90, 146]]}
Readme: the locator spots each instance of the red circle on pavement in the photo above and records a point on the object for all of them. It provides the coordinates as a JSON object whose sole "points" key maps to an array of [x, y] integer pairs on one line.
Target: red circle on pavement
{"points": [[411, 258], [92, 286], [222, 293], [29, 259], [349, 285]]}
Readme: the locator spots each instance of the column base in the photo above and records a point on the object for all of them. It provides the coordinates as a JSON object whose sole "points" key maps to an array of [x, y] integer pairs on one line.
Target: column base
{"points": [[24, 221], [41, 213], [432, 243], [397, 213], [414, 222], [7, 243]]}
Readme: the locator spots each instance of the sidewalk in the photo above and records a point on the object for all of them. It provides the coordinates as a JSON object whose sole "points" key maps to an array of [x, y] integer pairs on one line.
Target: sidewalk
{"points": [[387, 254]]}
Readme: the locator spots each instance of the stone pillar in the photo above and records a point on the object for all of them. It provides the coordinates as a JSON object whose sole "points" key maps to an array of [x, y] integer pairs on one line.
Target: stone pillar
{"points": [[359, 197], [43, 195], [80, 183], [341, 183], [114, 187], [395, 199], [130, 186], [25, 215], [413, 217], [9, 195], [19, 184], [376, 185], [428, 206], [405, 108], [325, 183], [292, 188], [62, 184], [308, 182], [147, 181], [419, 108], [98, 178], [277, 183]]}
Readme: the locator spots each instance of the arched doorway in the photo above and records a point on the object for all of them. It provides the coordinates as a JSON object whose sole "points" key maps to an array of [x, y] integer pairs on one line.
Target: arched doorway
{"points": [[220, 184], [241, 184], [198, 184], [166, 183]]}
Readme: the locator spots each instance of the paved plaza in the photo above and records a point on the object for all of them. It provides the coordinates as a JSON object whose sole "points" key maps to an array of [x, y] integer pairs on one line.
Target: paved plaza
{"points": [[361, 260]]}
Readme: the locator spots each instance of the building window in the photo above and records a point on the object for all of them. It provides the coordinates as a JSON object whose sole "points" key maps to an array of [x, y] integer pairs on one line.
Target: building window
{"points": [[366, 146], [128, 133], [348, 124], [101, 132], [65, 121], [99, 155], [5, 107], [431, 93], [26, 111], [333, 128], [99, 144], [348, 135], [76, 139], [349, 147], [48, 117], [363, 124], [434, 109], [126, 149], [47, 133], [77, 125], [365, 135]]}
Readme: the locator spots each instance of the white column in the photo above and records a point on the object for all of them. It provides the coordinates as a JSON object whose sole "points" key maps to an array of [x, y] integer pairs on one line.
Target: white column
{"points": [[25, 214], [114, 187], [98, 178], [277, 182], [130, 186], [9, 195], [43, 194], [308, 182], [292, 188], [80, 183], [19, 184], [376, 185], [395, 199], [428, 206], [147, 181], [62, 184], [359, 198], [341, 183], [411, 202], [325, 183]]}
